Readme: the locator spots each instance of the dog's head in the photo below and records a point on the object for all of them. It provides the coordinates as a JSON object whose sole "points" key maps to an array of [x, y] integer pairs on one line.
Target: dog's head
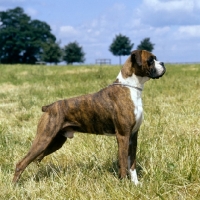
{"points": [[143, 63]]}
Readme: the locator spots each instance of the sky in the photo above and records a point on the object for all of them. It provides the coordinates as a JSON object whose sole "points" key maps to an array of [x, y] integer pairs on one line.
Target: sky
{"points": [[172, 25]]}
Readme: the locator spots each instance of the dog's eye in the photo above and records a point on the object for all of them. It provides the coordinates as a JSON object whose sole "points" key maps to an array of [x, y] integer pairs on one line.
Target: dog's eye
{"points": [[151, 60]]}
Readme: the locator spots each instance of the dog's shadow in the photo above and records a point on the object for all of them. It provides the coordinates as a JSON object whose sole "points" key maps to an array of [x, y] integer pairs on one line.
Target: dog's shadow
{"points": [[51, 170]]}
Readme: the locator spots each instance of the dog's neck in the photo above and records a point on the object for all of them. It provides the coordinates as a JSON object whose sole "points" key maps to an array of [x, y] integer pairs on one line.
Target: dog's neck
{"points": [[133, 81]]}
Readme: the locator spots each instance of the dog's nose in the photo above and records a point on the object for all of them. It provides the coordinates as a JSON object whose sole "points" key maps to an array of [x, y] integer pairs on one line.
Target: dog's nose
{"points": [[162, 63]]}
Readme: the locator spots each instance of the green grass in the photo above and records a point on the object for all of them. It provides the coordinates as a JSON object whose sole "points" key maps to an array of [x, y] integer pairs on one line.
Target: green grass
{"points": [[85, 167]]}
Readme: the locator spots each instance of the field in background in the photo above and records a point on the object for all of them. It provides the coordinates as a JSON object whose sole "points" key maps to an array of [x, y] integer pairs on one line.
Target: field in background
{"points": [[86, 166]]}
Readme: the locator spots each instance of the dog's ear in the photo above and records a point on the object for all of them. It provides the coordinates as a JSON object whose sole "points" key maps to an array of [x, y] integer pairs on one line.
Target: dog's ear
{"points": [[136, 57]]}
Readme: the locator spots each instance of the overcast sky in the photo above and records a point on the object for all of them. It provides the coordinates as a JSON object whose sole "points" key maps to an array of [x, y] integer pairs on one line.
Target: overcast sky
{"points": [[172, 25]]}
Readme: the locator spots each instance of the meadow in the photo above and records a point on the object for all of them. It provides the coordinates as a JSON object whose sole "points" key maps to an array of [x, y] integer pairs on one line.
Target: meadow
{"points": [[168, 156]]}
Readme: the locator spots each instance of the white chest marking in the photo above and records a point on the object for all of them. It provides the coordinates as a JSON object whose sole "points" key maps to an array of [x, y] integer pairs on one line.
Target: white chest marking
{"points": [[135, 81], [138, 111]]}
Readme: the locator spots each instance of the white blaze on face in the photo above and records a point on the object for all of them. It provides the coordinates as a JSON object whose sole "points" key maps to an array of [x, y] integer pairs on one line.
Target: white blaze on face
{"points": [[159, 68]]}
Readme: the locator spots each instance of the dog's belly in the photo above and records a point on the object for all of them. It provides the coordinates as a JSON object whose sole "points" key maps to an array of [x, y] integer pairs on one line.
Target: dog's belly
{"points": [[98, 127]]}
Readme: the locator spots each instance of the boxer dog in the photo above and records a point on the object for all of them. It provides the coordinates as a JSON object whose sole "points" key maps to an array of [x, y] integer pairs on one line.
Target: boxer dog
{"points": [[115, 110]]}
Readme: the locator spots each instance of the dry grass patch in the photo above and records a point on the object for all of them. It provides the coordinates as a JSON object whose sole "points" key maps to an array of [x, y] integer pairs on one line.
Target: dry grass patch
{"points": [[86, 167], [7, 87], [75, 71]]}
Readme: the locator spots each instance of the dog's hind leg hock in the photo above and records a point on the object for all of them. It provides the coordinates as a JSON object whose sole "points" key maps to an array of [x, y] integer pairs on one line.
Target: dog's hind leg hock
{"points": [[39, 145], [132, 158]]}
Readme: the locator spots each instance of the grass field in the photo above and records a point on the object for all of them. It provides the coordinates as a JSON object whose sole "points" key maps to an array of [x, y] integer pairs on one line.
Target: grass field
{"points": [[168, 157]]}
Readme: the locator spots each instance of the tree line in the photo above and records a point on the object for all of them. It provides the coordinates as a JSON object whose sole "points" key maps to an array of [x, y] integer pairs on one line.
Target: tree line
{"points": [[23, 40]]}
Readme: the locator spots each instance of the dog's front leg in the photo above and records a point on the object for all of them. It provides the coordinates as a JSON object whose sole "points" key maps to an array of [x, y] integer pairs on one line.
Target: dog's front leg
{"points": [[122, 141], [132, 157]]}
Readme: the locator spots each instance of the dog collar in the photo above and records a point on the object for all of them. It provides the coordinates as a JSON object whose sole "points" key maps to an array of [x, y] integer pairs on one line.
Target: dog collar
{"points": [[127, 85]]}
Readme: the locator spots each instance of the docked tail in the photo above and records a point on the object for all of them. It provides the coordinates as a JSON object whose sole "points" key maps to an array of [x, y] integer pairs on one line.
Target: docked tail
{"points": [[46, 108]]}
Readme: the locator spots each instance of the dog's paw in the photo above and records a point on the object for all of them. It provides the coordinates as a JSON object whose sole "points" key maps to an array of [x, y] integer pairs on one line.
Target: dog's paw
{"points": [[134, 178]]}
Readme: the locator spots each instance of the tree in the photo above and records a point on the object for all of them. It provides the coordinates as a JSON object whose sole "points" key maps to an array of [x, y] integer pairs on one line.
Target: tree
{"points": [[73, 53], [145, 44], [121, 46], [52, 52], [22, 39]]}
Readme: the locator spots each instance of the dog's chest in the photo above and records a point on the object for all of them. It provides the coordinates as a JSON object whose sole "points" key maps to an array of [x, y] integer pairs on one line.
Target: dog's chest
{"points": [[138, 109]]}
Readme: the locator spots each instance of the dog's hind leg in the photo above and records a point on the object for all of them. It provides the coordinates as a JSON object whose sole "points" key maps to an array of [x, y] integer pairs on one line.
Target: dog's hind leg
{"points": [[132, 157], [39, 145], [55, 144], [47, 131]]}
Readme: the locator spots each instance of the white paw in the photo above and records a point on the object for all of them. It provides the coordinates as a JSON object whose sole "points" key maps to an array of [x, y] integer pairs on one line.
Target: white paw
{"points": [[134, 178]]}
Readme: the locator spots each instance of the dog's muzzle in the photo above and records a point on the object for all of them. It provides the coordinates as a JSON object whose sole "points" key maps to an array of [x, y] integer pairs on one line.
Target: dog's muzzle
{"points": [[157, 71]]}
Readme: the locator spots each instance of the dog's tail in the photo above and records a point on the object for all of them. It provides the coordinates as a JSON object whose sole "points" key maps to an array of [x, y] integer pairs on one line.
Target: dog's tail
{"points": [[46, 108]]}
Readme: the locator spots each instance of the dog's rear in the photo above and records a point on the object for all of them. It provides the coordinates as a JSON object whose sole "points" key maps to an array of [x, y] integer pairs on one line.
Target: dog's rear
{"points": [[48, 127]]}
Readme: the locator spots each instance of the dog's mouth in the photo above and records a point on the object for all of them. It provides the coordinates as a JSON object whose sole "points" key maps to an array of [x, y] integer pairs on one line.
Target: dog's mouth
{"points": [[159, 76], [158, 73]]}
